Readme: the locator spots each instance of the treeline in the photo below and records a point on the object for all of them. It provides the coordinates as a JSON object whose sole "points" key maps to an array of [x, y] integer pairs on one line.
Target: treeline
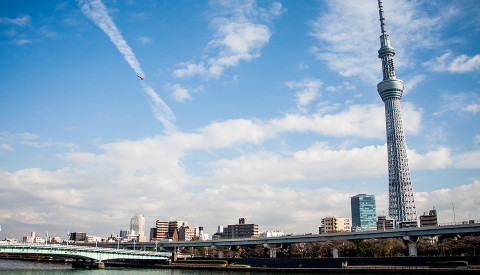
{"points": [[392, 247]]}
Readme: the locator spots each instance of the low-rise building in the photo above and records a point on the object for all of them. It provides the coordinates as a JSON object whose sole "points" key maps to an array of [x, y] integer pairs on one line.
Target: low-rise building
{"points": [[57, 240], [175, 226], [271, 234], [187, 233], [78, 236], [241, 230], [385, 223], [93, 239], [429, 218], [336, 225]]}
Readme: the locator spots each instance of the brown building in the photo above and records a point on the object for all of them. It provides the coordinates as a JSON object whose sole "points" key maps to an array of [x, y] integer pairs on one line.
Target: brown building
{"points": [[429, 219], [175, 225]]}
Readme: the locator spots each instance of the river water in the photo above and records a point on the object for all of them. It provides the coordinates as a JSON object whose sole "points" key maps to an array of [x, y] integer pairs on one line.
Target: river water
{"points": [[17, 267]]}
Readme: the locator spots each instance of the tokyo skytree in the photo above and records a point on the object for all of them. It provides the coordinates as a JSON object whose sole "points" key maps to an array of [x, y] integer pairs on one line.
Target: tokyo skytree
{"points": [[401, 205]]}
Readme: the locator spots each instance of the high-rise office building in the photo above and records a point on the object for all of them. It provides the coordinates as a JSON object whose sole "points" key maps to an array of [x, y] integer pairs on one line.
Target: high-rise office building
{"points": [[137, 225], [401, 205], [364, 212]]}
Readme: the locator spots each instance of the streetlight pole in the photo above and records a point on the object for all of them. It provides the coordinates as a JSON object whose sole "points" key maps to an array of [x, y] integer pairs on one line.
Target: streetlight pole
{"points": [[454, 221]]}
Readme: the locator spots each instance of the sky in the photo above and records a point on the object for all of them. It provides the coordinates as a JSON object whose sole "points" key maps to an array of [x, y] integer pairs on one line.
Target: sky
{"points": [[266, 110]]}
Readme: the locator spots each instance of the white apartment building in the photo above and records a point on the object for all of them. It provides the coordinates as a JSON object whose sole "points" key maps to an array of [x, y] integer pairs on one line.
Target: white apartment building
{"points": [[335, 224]]}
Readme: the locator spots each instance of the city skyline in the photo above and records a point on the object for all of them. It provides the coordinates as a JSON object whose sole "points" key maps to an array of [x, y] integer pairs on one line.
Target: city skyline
{"points": [[263, 110]]}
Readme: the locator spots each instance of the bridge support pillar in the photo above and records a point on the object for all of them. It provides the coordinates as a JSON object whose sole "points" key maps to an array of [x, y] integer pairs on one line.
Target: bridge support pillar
{"points": [[412, 245], [83, 264], [272, 249], [335, 253]]}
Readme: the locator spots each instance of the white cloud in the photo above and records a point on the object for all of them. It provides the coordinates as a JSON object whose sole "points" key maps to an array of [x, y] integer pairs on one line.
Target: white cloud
{"points": [[348, 33], [467, 160], [19, 21], [459, 64], [410, 84], [366, 121], [464, 198], [32, 140], [152, 175], [240, 34], [148, 176], [464, 102], [432, 160], [4, 148], [180, 93], [307, 91], [473, 108], [189, 69], [145, 40], [22, 41], [344, 86]]}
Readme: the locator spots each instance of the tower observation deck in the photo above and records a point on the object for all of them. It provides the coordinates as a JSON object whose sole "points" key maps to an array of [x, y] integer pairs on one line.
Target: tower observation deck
{"points": [[401, 205]]}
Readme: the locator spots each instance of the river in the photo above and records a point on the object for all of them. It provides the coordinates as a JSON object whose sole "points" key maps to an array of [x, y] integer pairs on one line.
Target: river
{"points": [[18, 267]]}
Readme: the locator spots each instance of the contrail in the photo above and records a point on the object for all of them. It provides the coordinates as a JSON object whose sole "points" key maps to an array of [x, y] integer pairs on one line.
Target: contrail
{"points": [[96, 10]]}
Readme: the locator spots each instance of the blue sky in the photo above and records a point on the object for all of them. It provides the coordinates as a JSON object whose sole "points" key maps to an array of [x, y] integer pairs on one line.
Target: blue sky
{"points": [[266, 110]]}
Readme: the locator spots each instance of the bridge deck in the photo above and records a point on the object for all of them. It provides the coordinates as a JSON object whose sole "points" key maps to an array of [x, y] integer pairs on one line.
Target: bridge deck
{"points": [[95, 253]]}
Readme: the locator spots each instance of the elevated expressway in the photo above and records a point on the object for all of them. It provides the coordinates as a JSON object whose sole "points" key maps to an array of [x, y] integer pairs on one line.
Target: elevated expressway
{"points": [[408, 234]]}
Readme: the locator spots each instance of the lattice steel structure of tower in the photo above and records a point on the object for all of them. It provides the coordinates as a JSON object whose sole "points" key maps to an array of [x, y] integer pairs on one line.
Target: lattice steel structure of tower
{"points": [[401, 204]]}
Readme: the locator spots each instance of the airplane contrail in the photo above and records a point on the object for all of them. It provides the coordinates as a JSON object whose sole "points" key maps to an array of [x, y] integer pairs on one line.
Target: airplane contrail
{"points": [[96, 10]]}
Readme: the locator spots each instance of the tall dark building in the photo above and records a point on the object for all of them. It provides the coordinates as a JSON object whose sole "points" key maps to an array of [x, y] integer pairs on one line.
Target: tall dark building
{"points": [[78, 236], [364, 212]]}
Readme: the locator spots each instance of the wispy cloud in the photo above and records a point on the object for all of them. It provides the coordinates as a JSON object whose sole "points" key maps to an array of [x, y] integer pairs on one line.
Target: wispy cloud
{"points": [[4, 148], [145, 40], [19, 21], [22, 41], [454, 64], [469, 103], [240, 34], [97, 12], [181, 93], [346, 21], [306, 92], [410, 84]]}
